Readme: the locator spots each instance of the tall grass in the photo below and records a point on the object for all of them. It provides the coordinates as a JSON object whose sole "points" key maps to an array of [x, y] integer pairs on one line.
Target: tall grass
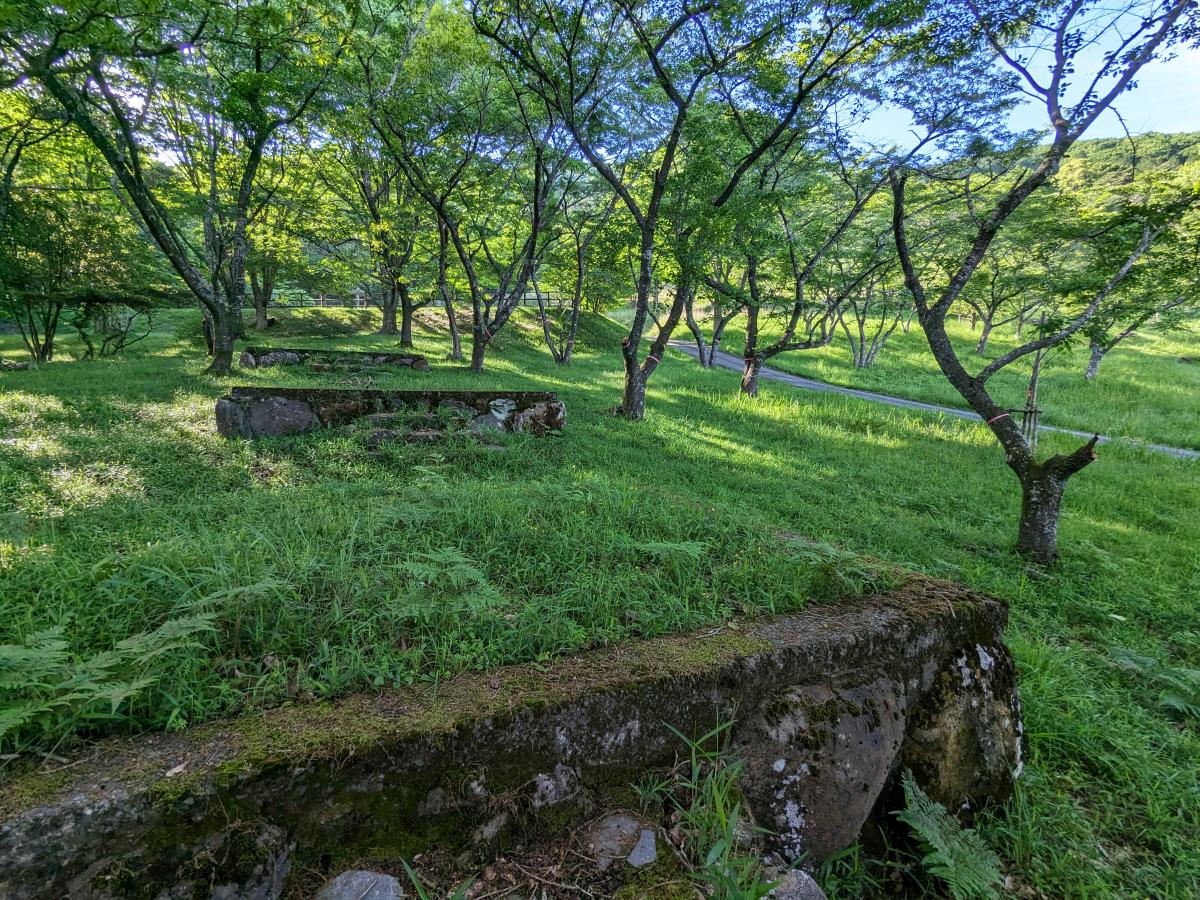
{"points": [[323, 569]]}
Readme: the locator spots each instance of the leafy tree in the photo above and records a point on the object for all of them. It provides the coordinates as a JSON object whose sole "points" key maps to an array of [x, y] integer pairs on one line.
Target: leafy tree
{"points": [[572, 267], [625, 78], [211, 86], [66, 248], [478, 150], [285, 199], [1042, 44], [1163, 289]]}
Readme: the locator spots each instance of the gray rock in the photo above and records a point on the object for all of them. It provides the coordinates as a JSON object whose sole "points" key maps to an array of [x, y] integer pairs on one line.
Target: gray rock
{"points": [[497, 418], [819, 759], [358, 884], [612, 838], [231, 419], [822, 696], [796, 884], [279, 358], [645, 851], [280, 416], [502, 408], [555, 787], [540, 418]]}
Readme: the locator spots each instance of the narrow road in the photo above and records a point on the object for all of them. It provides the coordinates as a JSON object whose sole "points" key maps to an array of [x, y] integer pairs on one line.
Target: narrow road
{"points": [[729, 361]]}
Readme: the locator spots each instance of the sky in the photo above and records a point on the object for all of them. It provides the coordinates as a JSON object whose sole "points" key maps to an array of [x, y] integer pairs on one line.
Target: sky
{"points": [[1167, 98]]}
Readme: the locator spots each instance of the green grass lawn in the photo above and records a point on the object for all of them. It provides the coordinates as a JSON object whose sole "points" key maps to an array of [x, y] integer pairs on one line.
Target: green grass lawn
{"points": [[258, 573], [1143, 389]]}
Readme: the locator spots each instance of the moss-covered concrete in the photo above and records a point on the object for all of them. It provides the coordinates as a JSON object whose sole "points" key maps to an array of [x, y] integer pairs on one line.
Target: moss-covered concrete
{"points": [[516, 750], [333, 360]]}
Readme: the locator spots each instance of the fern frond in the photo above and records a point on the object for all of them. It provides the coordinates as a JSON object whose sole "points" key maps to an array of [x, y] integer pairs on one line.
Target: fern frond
{"points": [[956, 855]]}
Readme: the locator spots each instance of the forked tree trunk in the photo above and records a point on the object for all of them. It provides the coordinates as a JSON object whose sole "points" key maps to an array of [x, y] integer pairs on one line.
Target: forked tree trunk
{"points": [[261, 290], [1042, 487], [1041, 507], [260, 315]]}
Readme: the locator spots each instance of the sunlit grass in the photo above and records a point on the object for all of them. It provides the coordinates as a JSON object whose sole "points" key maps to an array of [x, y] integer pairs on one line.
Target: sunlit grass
{"points": [[325, 569], [1144, 389]]}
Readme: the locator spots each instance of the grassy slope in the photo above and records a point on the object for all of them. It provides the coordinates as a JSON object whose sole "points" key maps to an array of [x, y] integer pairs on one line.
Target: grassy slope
{"points": [[1143, 389], [136, 511]]}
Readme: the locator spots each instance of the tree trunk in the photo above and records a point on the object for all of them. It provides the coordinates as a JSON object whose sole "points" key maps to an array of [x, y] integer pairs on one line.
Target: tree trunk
{"points": [[572, 331], [478, 348], [751, 366], [261, 291], [406, 315], [751, 359], [702, 353], [223, 336], [1041, 506], [633, 399], [981, 346], [1093, 366], [388, 308]]}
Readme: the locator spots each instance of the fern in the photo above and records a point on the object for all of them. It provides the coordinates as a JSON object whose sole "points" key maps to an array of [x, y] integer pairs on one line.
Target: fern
{"points": [[46, 692], [445, 585], [956, 855], [1179, 687]]}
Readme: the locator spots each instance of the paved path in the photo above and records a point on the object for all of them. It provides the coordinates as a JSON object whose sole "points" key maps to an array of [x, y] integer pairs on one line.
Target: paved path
{"points": [[729, 361]]}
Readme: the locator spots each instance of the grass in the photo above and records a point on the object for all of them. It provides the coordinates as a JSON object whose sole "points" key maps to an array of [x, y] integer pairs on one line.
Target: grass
{"points": [[313, 568], [1143, 390]]}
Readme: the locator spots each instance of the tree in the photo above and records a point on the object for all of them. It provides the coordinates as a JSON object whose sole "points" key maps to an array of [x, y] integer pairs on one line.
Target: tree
{"points": [[570, 267], [1007, 291], [65, 246], [1163, 290], [876, 305], [374, 194], [624, 78], [480, 151], [211, 85], [1048, 39], [285, 200]]}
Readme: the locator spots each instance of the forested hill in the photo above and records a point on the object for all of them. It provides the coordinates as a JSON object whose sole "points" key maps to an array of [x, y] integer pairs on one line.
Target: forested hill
{"points": [[1108, 159]]}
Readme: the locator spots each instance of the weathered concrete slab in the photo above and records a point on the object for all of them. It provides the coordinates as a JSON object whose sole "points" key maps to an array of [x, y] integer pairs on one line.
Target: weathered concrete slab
{"points": [[253, 412], [829, 704], [327, 360]]}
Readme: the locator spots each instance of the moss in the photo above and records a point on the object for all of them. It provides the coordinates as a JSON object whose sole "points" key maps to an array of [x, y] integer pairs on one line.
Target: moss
{"points": [[32, 790], [221, 753], [664, 880]]}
